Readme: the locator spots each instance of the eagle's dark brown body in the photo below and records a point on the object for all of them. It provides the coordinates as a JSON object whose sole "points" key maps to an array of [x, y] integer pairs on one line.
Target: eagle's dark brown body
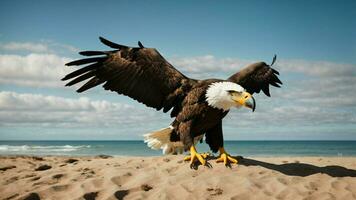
{"points": [[197, 118], [144, 75]]}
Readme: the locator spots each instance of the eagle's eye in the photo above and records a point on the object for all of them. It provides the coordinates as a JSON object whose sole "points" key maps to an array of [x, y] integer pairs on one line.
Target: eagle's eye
{"points": [[232, 92]]}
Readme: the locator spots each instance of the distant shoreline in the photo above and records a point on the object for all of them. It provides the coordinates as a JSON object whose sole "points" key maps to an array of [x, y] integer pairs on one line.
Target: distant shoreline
{"points": [[139, 140], [139, 148]]}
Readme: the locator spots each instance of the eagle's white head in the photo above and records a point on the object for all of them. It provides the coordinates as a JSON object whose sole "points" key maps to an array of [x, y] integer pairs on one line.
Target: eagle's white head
{"points": [[224, 95]]}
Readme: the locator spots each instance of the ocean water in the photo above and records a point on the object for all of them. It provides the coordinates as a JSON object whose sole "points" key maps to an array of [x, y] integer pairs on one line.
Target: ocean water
{"points": [[138, 148]]}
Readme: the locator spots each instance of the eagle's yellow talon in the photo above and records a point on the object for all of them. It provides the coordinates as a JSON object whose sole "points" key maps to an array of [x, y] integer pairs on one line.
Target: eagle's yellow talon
{"points": [[195, 155], [205, 155], [233, 160], [225, 157], [187, 158]]}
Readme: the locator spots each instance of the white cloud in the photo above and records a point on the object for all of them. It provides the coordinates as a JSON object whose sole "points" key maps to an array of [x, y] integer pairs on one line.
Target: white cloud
{"points": [[57, 47], [36, 70], [207, 63], [37, 109], [278, 115], [202, 67], [27, 101], [326, 92], [210, 64], [45, 46], [42, 67], [26, 46], [317, 68]]}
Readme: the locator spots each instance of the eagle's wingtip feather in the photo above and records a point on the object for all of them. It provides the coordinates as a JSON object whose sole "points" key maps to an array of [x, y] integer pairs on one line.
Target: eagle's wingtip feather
{"points": [[140, 45]]}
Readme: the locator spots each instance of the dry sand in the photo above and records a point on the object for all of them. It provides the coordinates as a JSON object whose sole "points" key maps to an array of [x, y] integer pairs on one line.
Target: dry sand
{"points": [[25, 177]]}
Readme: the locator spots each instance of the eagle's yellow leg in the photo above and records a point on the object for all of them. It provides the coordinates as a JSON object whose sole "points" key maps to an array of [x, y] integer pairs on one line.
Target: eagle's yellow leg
{"points": [[195, 155], [225, 157]]}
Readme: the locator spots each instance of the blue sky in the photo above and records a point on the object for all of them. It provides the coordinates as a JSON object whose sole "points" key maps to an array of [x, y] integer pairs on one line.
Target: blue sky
{"points": [[314, 40]]}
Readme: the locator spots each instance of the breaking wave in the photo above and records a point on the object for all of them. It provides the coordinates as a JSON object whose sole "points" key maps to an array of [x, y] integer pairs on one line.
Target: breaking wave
{"points": [[35, 148]]}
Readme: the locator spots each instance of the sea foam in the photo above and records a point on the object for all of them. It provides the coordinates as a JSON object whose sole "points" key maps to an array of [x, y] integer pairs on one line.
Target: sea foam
{"points": [[36, 148]]}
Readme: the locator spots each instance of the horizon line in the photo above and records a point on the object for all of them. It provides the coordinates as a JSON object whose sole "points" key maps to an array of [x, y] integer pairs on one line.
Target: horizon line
{"points": [[15, 140]]}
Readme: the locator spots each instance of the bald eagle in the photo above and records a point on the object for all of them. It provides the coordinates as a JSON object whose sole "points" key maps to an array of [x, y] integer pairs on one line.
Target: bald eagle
{"points": [[197, 106]]}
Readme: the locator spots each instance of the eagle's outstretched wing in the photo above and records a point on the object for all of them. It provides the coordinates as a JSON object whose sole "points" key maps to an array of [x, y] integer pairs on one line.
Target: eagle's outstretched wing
{"points": [[257, 77], [138, 72]]}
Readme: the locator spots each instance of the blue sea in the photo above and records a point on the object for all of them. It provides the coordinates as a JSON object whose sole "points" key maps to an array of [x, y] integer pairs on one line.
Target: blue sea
{"points": [[138, 148]]}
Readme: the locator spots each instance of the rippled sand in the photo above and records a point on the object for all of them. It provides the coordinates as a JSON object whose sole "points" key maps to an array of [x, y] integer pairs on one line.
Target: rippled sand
{"points": [[168, 177]]}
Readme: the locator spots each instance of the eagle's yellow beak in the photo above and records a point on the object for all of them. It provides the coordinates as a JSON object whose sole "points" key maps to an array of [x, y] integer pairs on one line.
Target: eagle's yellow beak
{"points": [[244, 99]]}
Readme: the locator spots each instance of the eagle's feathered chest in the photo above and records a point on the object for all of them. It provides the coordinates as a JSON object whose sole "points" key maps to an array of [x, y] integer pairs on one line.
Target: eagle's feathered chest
{"points": [[195, 105], [208, 119], [197, 113]]}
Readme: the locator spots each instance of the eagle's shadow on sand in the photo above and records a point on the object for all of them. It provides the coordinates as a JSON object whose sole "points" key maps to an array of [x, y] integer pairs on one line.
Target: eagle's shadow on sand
{"points": [[290, 169], [300, 169]]}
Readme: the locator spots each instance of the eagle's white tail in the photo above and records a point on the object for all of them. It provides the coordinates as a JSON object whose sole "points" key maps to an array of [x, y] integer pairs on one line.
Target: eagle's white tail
{"points": [[161, 140]]}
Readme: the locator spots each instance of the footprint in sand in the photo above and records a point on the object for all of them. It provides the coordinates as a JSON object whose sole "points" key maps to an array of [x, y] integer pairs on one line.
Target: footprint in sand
{"points": [[43, 167], [120, 180], [11, 180], [90, 195], [29, 175], [37, 158], [71, 160], [58, 188], [88, 173], [120, 194], [214, 192], [35, 178], [7, 167], [146, 187], [57, 176], [32, 196]]}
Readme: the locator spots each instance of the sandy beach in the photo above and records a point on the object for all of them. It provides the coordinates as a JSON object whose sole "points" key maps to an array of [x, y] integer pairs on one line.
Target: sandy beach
{"points": [[168, 177]]}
